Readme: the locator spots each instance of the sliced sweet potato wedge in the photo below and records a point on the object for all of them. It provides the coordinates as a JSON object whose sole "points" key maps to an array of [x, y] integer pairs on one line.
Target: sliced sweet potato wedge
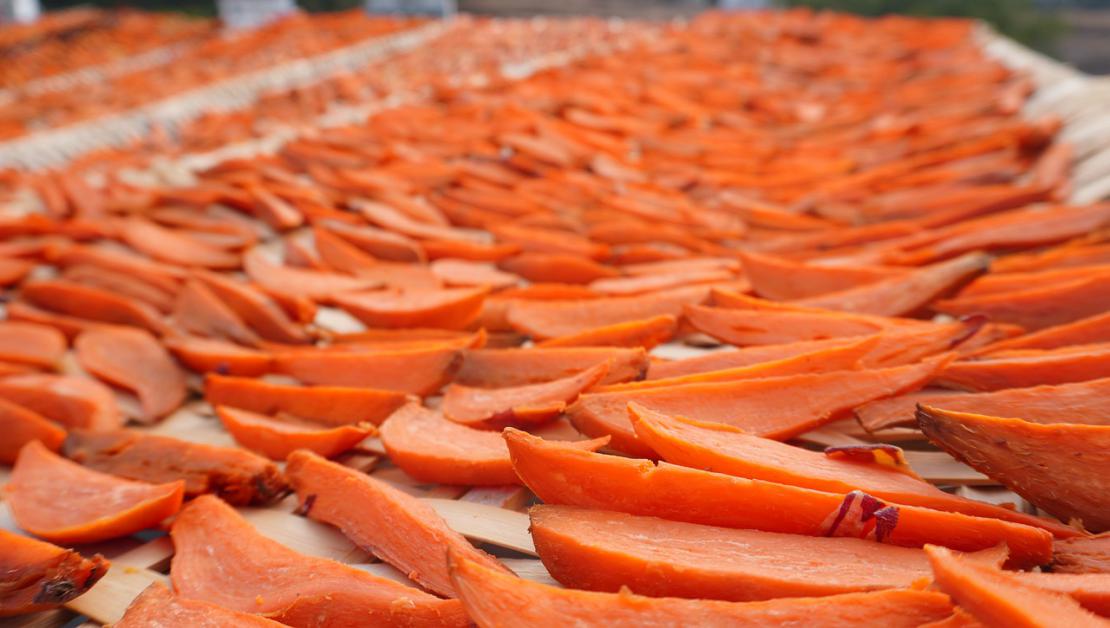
{"points": [[237, 476], [173, 246], [69, 326], [498, 600], [219, 558], [548, 319], [378, 242], [1092, 591], [135, 360], [432, 449], [529, 404], [394, 526], [344, 257], [254, 308], [646, 333], [449, 308], [37, 576], [63, 502], [499, 368], [32, 344], [119, 283], [784, 279], [1089, 554], [276, 438], [742, 327], [13, 271], [1037, 307], [86, 302], [416, 371], [325, 405], [158, 606], [726, 449], [773, 407], [1063, 468], [559, 474], [1025, 368], [999, 599], [467, 274], [641, 284], [557, 268], [70, 401], [163, 276], [208, 355], [301, 282], [997, 283], [1092, 330], [21, 426]]}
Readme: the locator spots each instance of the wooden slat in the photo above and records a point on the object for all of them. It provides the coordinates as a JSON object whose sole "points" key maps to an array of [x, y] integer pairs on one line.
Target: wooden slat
{"points": [[108, 599], [487, 524]]}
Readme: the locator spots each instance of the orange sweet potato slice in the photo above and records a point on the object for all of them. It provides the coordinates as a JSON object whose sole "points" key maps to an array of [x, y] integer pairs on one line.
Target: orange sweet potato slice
{"points": [[1092, 591], [326, 405], [394, 526], [86, 302], [628, 286], [997, 283], [219, 558], [559, 474], [420, 371], [378, 242], [13, 271], [208, 355], [21, 426], [773, 407], [198, 310], [119, 283], [133, 359], [1038, 306], [1029, 368], [463, 273], [499, 368], [1064, 256], [37, 576], [549, 319], [557, 268], [999, 599], [254, 308], [70, 401], [163, 276], [1092, 330], [237, 476], [158, 606], [63, 502], [726, 449], [783, 279], [1089, 554], [276, 438], [743, 327], [1063, 468], [432, 449], [174, 247], [69, 326], [496, 599], [301, 282], [449, 308], [344, 257], [646, 333], [529, 404], [29, 343]]}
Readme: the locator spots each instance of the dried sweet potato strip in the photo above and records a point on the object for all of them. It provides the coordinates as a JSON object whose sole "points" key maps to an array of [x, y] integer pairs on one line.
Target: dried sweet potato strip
{"points": [[646, 333], [133, 359], [36, 576], [301, 282], [28, 343], [276, 438], [498, 368], [326, 405], [419, 371], [86, 302], [448, 308], [21, 426], [200, 311], [208, 355], [255, 308], [174, 247], [72, 402], [1032, 368], [548, 319], [158, 606], [784, 279], [529, 404]]}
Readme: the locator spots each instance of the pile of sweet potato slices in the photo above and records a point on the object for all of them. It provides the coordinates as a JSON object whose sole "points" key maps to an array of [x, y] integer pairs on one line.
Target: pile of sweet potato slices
{"points": [[510, 283]]}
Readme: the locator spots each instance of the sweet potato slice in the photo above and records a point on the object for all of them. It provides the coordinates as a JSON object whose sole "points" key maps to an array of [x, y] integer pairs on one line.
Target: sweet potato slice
{"points": [[499, 368], [86, 302], [1092, 591], [628, 286], [394, 526], [36, 576], [432, 449], [773, 407], [70, 401], [646, 333], [997, 283], [174, 247], [497, 600], [30, 343], [1080, 402], [378, 242], [63, 502], [12, 271], [1063, 468], [198, 310], [559, 474], [999, 599], [1037, 307], [326, 405], [417, 371], [163, 276], [743, 327], [1082, 555], [783, 279], [158, 606], [237, 476], [21, 426], [277, 438], [529, 404], [133, 359], [726, 449], [208, 355], [119, 283], [1092, 330], [557, 268], [1023, 369], [548, 319], [301, 282], [449, 308], [219, 558], [69, 326], [254, 308], [1065, 256], [344, 257], [466, 274]]}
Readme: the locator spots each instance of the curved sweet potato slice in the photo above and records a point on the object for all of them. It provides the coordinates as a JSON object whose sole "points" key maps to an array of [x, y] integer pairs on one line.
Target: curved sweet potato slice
{"points": [[459, 249], [463, 273], [1022, 369], [529, 404], [783, 279], [21, 426], [557, 268], [432, 449], [86, 302], [449, 308], [646, 333], [999, 599], [394, 526], [36, 576], [1095, 329], [301, 282], [219, 558], [30, 343], [254, 308], [1089, 554], [119, 283], [198, 310], [12, 271], [997, 283], [772, 407], [497, 600], [726, 449], [133, 359], [344, 257], [416, 371], [742, 327], [326, 405], [560, 474], [641, 284], [548, 319], [277, 438], [174, 247], [1063, 468], [163, 276], [208, 355], [237, 476], [499, 368], [69, 326], [158, 606], [1037, 307], [63, 502], [1065, 256], [378, 242], [1092, 591], [67, 400]]}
